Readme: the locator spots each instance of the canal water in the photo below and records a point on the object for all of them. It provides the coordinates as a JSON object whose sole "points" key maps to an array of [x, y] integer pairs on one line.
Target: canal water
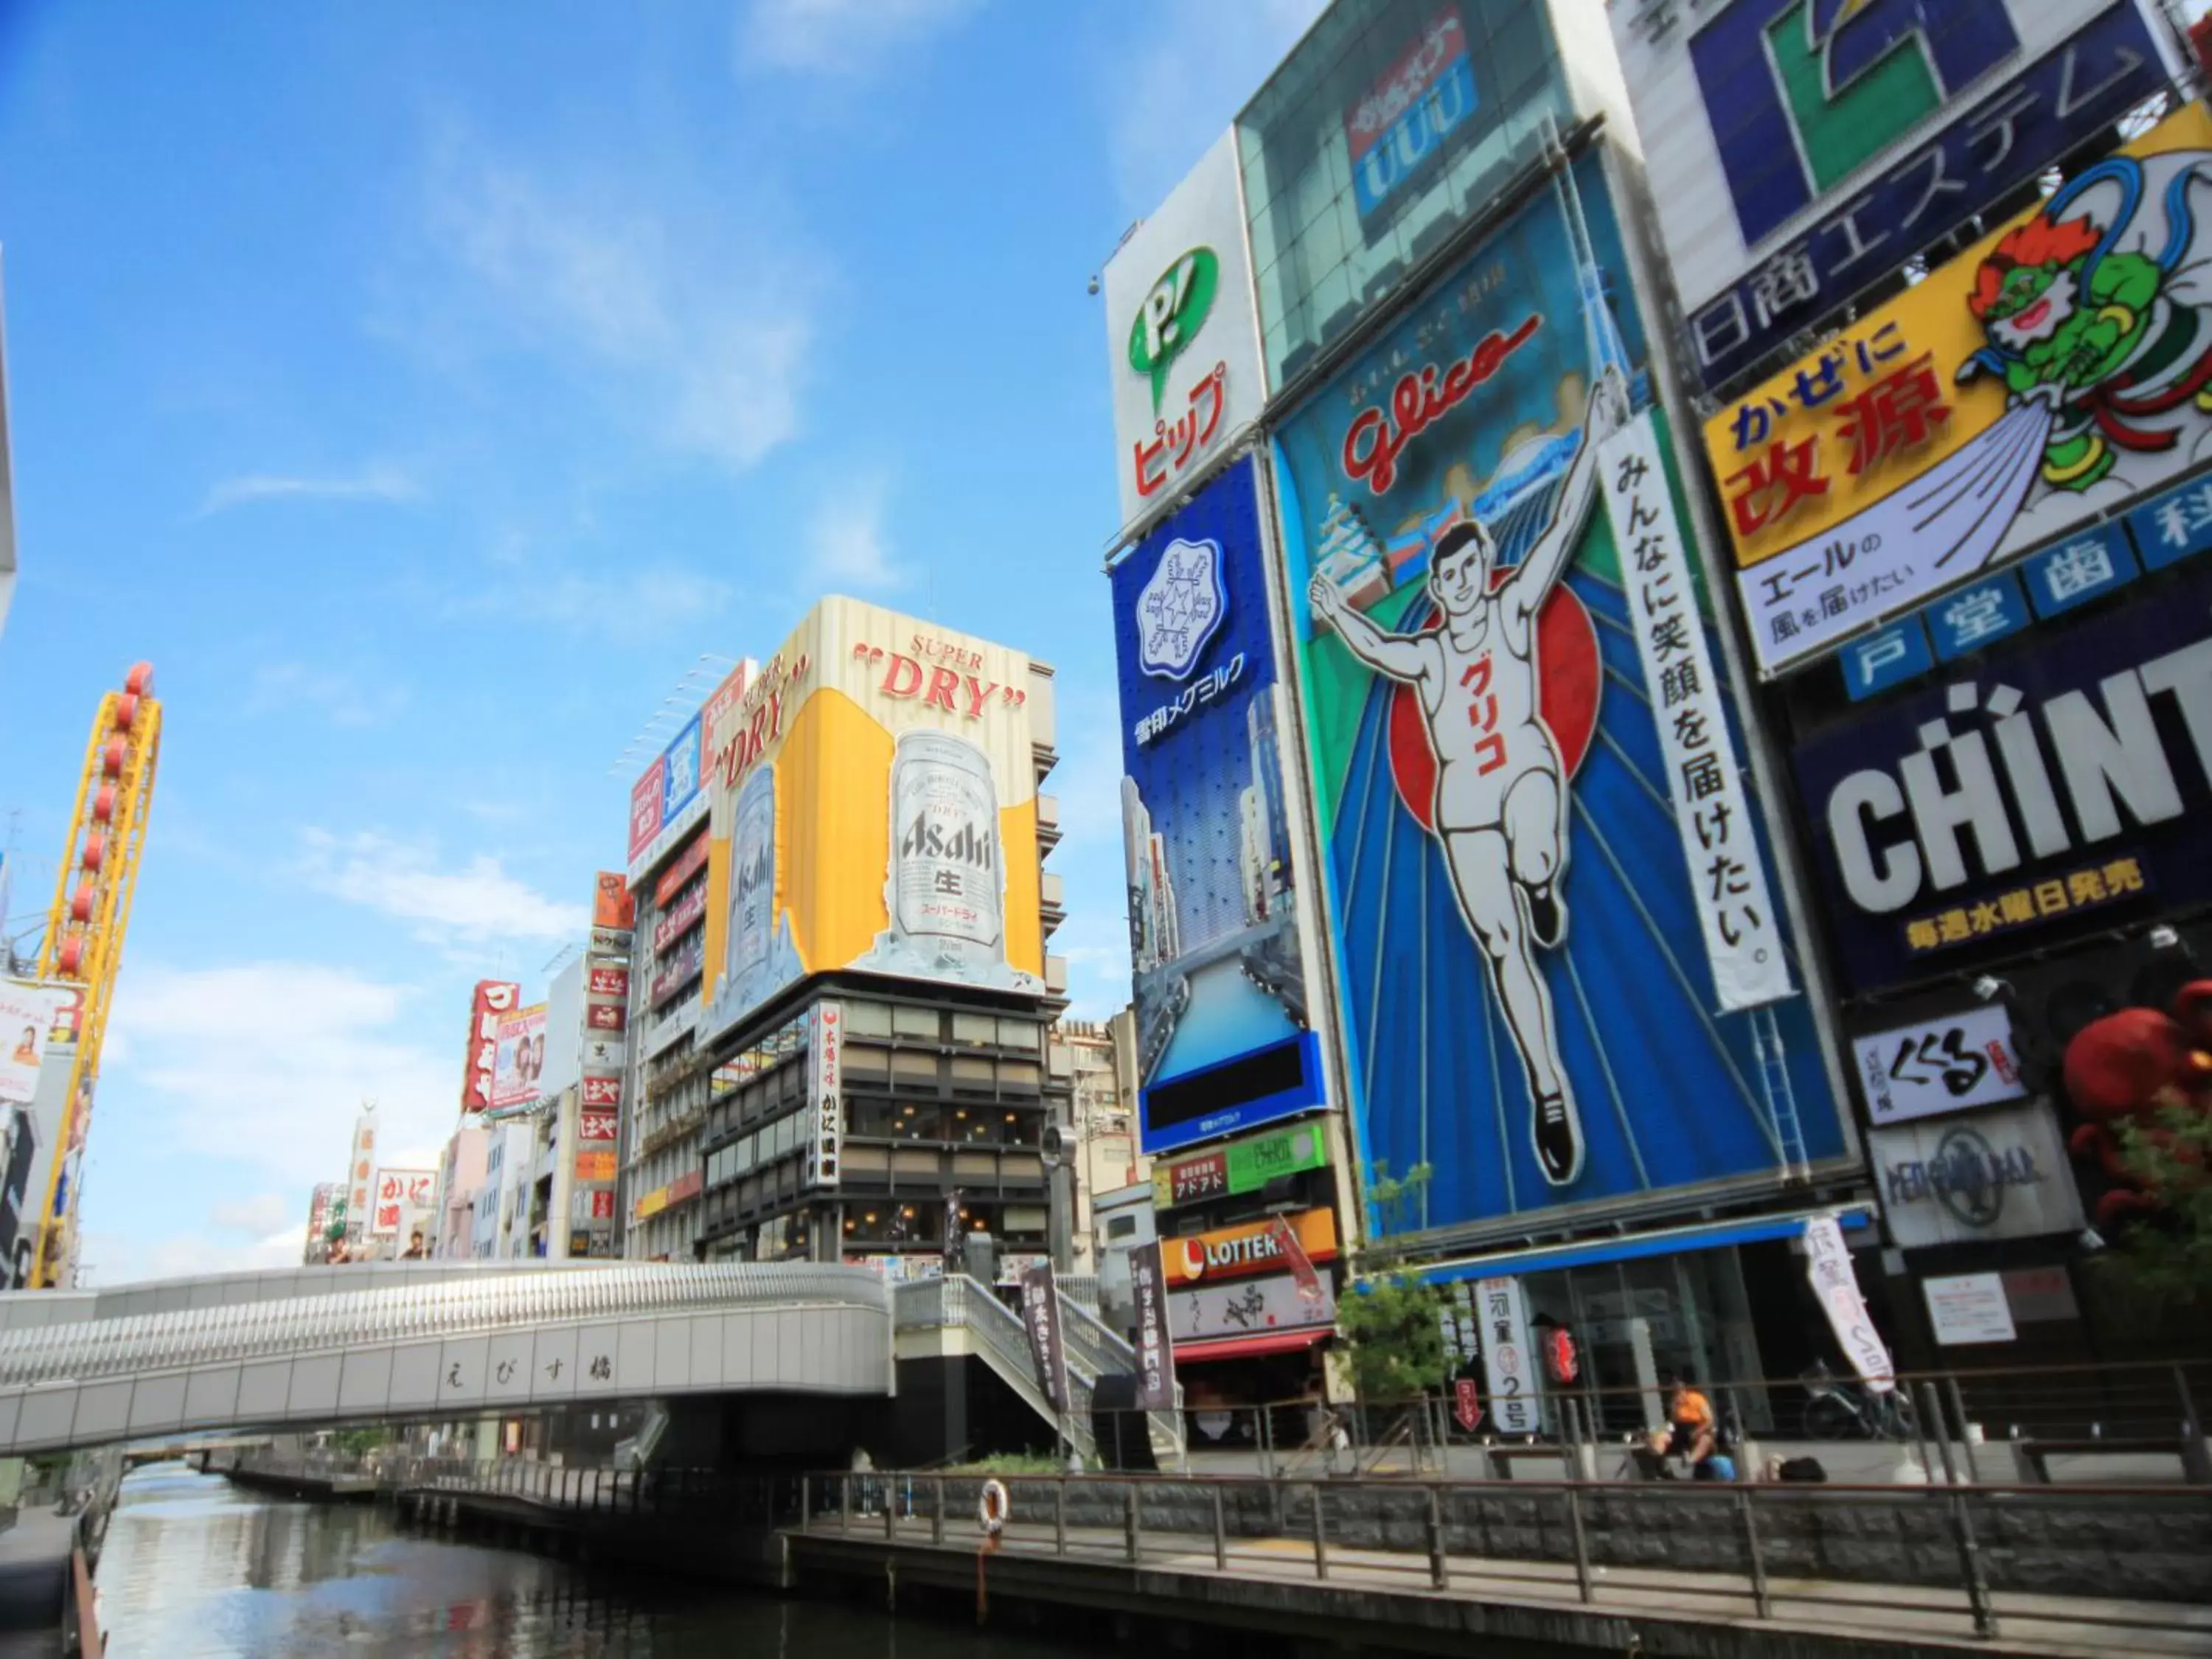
{"points": [[196, 1568]]}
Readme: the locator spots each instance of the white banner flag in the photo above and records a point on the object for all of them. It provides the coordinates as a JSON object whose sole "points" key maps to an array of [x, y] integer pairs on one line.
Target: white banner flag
{"points": [[1712, 813]]}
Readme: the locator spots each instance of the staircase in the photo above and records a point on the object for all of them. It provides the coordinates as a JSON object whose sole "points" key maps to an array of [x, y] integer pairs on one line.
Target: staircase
{"points": [[994, 1334]]}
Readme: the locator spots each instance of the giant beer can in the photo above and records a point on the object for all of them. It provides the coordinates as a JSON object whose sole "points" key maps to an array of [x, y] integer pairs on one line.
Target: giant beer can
{"points": [[945, 894], [752, 882]]}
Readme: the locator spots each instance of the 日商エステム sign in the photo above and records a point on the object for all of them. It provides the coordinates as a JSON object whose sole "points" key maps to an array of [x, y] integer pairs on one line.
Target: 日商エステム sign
{"points": [[1806, 148]]}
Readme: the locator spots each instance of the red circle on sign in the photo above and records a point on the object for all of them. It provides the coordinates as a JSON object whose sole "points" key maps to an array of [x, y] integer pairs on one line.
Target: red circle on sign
{"points": [[1569, 671]]}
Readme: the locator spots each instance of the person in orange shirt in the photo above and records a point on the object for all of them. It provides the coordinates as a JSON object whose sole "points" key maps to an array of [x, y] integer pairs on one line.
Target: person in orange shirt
{"points": [[1691, 1415], [27, 1051]]}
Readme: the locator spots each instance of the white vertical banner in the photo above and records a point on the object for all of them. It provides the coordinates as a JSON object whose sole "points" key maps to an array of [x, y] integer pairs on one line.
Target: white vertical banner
{"points": [[1712, 813], [1836, 1286], [1508, 1363]]}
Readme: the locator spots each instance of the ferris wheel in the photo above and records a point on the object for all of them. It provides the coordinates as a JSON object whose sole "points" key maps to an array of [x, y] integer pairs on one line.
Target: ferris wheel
{"points": [[91, 912]]}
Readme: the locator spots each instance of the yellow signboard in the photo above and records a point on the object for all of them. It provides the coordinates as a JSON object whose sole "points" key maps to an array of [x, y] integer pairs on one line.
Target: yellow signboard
{"points": [[595, 1166], [874, 807], [2060, 366]]}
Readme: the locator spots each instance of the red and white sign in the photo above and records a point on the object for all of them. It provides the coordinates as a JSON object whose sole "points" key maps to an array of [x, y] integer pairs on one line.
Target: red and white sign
{"points": [[605, 1016], [609, 983], [1467, 1404], [645, 798], [602, 1204], [603, 1092], [493, 998], [403, 1201], [596, 1125], [674, 924], [685, 864]]}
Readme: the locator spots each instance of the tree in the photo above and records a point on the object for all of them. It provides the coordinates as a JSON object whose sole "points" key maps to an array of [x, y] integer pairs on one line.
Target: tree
{"points": [[2166, 1255], [1392, 1321]]}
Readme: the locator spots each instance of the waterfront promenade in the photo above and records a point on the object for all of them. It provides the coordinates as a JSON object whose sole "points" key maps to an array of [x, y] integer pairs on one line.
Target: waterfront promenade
{"points": [[1431, 1565]]}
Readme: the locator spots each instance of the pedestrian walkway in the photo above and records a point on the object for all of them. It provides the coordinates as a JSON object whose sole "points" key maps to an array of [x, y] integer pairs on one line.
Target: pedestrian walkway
{"points": [[1596, 1604]]}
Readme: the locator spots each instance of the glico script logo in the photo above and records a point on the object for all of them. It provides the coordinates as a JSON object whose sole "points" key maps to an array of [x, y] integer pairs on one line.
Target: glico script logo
{"points": [[1174, 310], [1829, 84]]}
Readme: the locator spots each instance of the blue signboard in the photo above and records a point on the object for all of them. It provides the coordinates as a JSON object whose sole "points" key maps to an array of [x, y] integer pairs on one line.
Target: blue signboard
{"points": [[1526, 1011], [1773, 135], [1976, 616], [1213, 937], [1885, 658], [680, 782], [2059, 788], [2078, 569], [2170, 527]]}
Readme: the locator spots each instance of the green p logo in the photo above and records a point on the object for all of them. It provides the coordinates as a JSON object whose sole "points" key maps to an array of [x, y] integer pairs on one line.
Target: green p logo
{"points": [[1171, 315]]}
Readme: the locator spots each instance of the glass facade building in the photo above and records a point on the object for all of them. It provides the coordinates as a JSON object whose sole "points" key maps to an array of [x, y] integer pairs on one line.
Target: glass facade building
{"points": [[1391, 122]]}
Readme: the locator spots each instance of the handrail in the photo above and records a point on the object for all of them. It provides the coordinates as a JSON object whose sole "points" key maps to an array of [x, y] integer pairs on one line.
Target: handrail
{"points": [[141, 1343]]}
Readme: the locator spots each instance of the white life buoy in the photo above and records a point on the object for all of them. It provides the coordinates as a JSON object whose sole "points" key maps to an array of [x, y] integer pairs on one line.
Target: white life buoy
{"points": [[992, 1506]]}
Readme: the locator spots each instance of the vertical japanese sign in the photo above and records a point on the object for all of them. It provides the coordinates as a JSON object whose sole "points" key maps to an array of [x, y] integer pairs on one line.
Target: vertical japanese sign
{"points": [[1040, 1319], [1836, 1287], [1712, 810], [1155, 1340], [492, 1000], [1495, 780], [2049, 375], [1508, 1363], [826, 1086], [1182, 334]]}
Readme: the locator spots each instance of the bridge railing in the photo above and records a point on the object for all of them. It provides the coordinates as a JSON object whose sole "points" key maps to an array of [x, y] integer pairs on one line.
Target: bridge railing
{"points": [[1943, 1562], [137, 1344]]}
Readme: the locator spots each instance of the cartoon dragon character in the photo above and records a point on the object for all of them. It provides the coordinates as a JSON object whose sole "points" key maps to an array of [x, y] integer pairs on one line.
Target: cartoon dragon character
{"points": [[2087, 309]]}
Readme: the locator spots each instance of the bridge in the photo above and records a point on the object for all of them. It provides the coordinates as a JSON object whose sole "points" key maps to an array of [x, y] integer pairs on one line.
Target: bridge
{"points": [[315, 1346]]}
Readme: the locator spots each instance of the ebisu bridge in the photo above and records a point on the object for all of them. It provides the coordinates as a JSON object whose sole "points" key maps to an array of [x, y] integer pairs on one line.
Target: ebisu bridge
{"points": [[313, 1346]]}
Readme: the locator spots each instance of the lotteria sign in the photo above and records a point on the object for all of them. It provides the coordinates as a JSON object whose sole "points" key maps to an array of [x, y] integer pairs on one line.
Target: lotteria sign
{"points": [[1183, 335], [2058, 786], [1253, 1248]]}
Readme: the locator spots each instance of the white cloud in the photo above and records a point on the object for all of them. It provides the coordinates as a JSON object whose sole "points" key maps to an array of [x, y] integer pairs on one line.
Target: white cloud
{"points": [[378, 484], [262, 1215], [841, 37], [246, 1079], [477, 903], [112, 1258], [288, 688], [698, 329], [1167, 101], [847, 539]]}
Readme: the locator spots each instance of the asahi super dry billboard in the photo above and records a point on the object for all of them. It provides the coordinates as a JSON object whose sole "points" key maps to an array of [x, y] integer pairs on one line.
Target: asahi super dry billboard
{"points": [[874, 807]]}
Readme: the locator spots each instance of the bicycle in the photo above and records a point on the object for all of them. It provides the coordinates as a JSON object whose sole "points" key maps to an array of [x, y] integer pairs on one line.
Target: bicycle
{"points": [[1838, 1410]]}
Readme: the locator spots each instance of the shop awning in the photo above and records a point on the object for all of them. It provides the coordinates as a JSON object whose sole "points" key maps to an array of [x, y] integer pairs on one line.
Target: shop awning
{"points": [[1243, 1347], [1673, 1241]]}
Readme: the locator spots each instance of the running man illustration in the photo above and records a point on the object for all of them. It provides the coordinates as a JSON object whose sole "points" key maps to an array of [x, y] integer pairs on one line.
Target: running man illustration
{"points": [[1500, 807]]}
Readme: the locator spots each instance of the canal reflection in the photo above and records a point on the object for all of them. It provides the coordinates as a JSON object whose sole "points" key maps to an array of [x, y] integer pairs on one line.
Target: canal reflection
{"points": [[195, 1569]]}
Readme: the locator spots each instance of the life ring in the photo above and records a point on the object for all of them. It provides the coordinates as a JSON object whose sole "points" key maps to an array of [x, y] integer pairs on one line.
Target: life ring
{"points": [[992, 1506]]}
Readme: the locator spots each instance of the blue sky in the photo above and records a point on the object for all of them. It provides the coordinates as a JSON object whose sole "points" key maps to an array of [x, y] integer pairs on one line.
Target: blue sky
{"points": [[424, 390]]}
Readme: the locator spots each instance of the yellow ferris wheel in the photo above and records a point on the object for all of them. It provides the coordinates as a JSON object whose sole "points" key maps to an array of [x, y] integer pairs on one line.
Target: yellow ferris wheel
{"points": [[84, 930]]}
